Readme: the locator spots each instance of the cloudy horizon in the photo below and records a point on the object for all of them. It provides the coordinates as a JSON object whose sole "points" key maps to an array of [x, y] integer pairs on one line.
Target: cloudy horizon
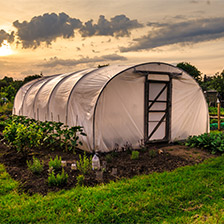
{"points": [[83, 34]]}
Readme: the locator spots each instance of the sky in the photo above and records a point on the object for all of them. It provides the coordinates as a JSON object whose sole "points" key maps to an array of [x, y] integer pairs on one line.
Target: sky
{"points": [[59, 36]]}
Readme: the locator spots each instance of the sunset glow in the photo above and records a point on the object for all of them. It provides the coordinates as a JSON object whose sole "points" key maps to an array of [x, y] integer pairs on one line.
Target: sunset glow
{"points": [[64, 37], [5, 49]]}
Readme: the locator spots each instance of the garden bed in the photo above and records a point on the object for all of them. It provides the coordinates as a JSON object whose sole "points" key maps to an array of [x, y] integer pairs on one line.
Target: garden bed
{"points": [[163, 158]]}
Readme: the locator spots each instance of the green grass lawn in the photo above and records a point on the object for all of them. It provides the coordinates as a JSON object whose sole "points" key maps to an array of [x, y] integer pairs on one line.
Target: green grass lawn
{"points": [[193, 194]]}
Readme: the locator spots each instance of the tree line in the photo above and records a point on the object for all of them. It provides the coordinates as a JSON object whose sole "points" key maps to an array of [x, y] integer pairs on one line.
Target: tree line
{"points": [[215, 82], [9, 87]]}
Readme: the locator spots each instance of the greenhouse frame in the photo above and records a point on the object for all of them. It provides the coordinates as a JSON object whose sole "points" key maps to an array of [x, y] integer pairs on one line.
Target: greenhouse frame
{"points": [[119, 105]]}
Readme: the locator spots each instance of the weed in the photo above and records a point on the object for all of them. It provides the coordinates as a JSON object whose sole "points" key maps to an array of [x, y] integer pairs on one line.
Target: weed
{"points": [[135, 155], [55, 163], [57, 180], [36, 167], [152, 153], [80, 180], [84, 164]]}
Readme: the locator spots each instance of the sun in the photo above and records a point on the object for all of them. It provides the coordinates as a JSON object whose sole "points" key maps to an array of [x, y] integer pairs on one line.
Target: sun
{"points": [[5, 49]]}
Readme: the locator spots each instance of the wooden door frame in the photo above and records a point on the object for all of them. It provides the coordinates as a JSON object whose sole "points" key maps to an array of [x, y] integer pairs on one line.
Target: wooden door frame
{"points": [[167, 111]]}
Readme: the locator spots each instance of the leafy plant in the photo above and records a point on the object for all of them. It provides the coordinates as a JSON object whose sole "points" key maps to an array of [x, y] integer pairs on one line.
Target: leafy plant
{"points": [[213, 111], [10, 133], [20, 130], [135, 155], [213, 142], [57, 180], [80, 180], [55, 163], [27, 137], [84, 164], [36, 166]]}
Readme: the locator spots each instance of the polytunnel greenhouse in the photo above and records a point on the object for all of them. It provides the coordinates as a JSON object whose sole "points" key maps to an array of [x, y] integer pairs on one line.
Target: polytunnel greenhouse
{"points": [[118, 105]]}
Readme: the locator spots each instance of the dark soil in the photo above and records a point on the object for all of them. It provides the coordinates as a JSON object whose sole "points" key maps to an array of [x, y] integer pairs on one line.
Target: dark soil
{"points": [[164, 158]]}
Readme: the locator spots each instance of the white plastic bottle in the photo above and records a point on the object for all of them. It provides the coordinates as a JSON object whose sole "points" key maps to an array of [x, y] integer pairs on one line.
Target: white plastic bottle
{"points": [[95, 162]]}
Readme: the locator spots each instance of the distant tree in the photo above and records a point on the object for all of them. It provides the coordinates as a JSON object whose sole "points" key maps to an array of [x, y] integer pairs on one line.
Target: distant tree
{"points": [[3, 83], [9, 87], [32, 77], [191, 70], [217, 82], [8, 79], [17, 84]]}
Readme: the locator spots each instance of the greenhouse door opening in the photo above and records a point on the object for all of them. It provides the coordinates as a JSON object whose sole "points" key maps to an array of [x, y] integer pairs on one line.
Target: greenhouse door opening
{"points": [[157, 110]]}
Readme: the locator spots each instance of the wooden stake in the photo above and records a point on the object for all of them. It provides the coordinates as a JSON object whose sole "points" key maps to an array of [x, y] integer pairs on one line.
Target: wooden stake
{"points": [[218, 111]]}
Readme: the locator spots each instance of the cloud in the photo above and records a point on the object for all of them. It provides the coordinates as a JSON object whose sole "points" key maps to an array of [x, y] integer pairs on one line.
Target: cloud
{"points": [[55, 61], [46, 28], [6, 36], [208, 2], [118, 26], [157, 24], [188, 32]]}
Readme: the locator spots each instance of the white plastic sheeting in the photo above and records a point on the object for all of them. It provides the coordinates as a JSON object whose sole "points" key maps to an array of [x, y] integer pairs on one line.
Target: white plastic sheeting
{"points": [[109, 103]]}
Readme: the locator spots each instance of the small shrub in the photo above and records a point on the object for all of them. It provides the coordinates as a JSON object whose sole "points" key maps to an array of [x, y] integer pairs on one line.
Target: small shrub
{"points": [[57, 180], [36, 167], [80, 180], [135, 155], [84, 164], [152, 153], [55, 163]]}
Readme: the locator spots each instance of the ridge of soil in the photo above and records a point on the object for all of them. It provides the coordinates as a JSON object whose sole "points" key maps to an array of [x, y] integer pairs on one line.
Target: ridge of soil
{"points": [[167, 158]]}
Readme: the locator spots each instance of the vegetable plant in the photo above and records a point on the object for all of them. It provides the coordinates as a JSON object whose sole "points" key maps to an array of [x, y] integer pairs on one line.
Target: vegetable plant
{"points": [[84, 164], [22, 137], [213, 142], [57, 180], [55, 163], [25, 133], [36, 166], [135, 155], [80, 180]]}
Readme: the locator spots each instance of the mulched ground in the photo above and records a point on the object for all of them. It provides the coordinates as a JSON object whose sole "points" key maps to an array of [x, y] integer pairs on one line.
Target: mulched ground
{"points": [[167, 158]]}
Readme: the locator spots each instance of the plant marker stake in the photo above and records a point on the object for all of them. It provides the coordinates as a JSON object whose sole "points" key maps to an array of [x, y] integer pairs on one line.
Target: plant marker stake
{"points": [[114, 172], [99, 175], [74, 166], [218, 111], [63, 163]]}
